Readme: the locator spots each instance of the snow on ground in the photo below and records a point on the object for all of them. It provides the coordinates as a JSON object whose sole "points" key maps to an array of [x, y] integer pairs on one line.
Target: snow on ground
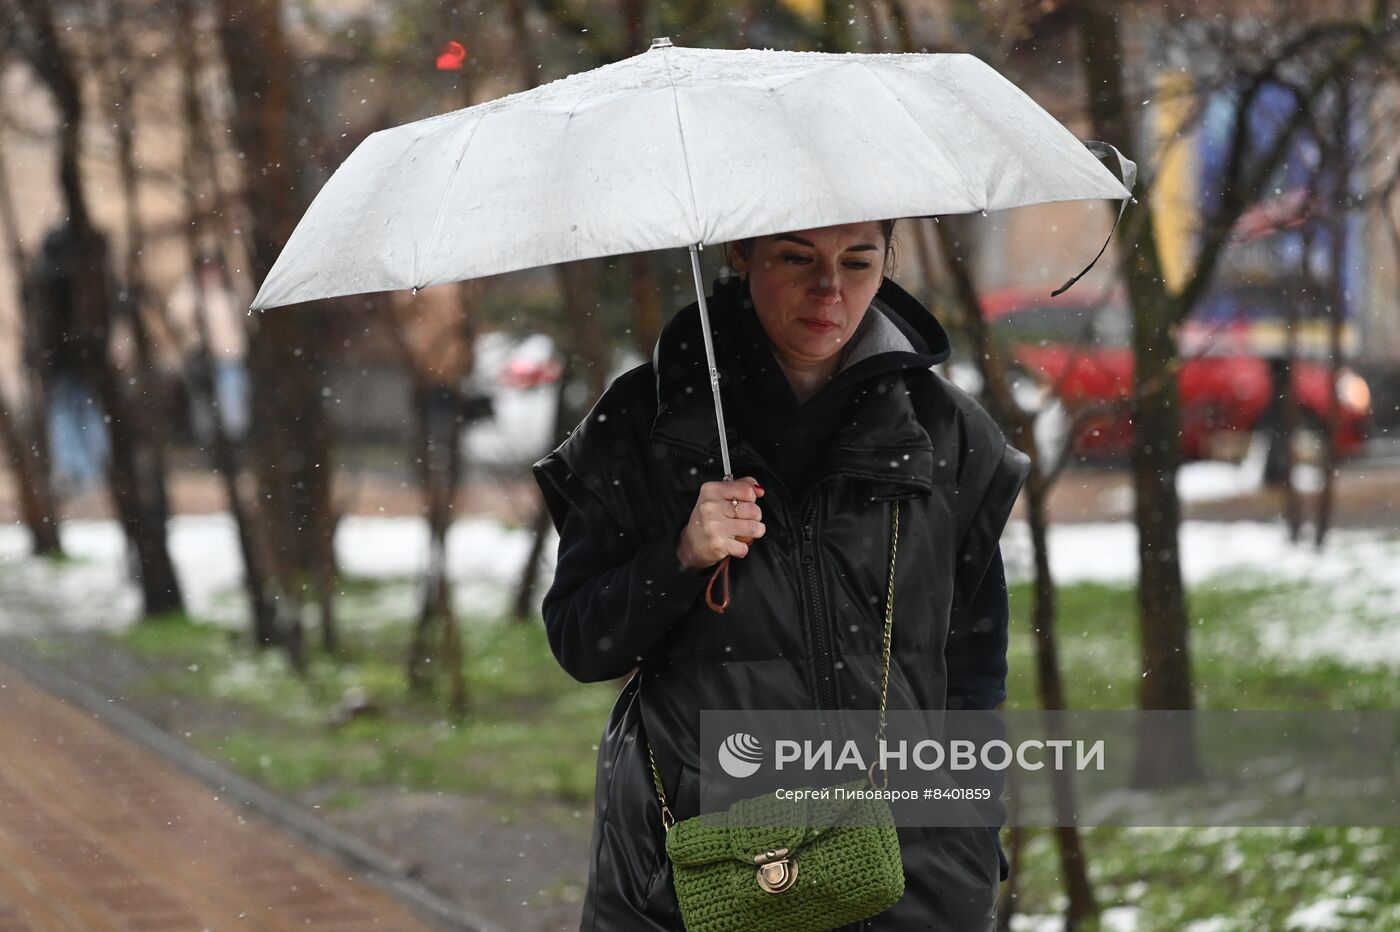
{"points": [[1218, 480], [1350, 588], [1107, 552], [1323, 915], [1113, 919], [1209, 481], [90, 590], [1213, 924], [1354, 582]]}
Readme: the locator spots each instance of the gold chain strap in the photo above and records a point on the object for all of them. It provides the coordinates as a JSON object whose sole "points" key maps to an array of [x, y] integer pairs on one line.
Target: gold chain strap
{"points": [[667, 819], [889, 615], [889, 627]]}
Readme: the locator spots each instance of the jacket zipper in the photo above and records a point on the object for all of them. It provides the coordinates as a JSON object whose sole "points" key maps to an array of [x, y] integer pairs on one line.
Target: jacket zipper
{"points": [[822, 667]]}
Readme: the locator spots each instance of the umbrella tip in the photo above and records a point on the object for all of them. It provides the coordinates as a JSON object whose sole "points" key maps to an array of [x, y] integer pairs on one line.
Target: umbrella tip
{"points": [[664, 42]]}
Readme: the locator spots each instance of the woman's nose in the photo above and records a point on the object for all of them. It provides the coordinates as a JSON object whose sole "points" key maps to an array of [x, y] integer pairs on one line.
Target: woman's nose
{"points": [[824, 288]]}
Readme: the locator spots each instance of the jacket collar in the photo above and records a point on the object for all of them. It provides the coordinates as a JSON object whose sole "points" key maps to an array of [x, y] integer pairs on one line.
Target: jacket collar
{"points": [[882, 442]]}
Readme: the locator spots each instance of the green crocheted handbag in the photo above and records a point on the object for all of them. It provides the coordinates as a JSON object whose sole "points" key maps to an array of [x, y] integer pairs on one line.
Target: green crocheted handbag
{"points": [[770, 865]]}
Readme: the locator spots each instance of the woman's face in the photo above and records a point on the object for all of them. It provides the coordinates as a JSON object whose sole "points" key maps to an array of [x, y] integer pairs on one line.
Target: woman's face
{"points": [[811, 288]]}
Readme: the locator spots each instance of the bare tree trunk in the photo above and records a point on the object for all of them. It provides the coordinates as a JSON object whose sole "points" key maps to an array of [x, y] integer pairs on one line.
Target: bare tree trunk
{"points": [[457, 701], [438, 409], [831, 35], [524, 43], [43, 529], [146, 399], [260, 608], [160, 589], [1168, 755], [874, 26], [525, 590], [900, 18], [1337, 306], [1287, 428], [26, 438], [564, 418], [580, 292], [646, 303], [748, 12], [1082, 905], [1015, 851], [634, 14], [291, 441], [581, 284], [1328, 464], [224, 210]]}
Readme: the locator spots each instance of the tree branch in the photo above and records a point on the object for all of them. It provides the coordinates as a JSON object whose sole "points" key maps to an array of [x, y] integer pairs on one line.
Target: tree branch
{"points": [[1239, 192]]}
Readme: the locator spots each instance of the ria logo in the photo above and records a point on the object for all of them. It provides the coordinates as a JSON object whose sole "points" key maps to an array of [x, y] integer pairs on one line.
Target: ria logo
{"points": [[740, 755]]}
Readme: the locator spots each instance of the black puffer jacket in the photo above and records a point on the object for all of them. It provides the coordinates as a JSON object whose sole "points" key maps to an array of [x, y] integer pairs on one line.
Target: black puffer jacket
{"points": [[804, 627]]}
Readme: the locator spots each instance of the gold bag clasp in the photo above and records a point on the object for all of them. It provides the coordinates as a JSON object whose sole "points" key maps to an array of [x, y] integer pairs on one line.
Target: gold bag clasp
{"points": [[776, 871]]}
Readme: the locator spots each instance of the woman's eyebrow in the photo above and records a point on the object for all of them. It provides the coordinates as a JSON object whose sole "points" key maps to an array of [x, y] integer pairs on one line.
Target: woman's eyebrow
{"points": [[859, 247]]}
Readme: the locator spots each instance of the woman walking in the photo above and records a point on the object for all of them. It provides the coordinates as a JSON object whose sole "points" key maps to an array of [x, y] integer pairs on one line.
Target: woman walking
{"points": [[835, 420]]}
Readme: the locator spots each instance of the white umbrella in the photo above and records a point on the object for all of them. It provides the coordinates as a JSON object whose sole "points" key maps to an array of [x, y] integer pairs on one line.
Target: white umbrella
{"points": [[680, 147]]}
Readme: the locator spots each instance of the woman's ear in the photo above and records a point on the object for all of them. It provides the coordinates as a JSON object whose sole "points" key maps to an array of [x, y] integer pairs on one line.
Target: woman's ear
{"points": [[737, 262]]}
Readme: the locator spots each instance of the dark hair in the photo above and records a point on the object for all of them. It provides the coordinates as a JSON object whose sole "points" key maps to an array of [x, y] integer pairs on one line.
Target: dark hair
{"points": [[744, 247]]}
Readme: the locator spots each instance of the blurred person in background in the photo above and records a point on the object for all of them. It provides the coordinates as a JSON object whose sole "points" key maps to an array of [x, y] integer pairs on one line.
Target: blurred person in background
{"points": [[66, 349], [430, 327], [209, 291]]}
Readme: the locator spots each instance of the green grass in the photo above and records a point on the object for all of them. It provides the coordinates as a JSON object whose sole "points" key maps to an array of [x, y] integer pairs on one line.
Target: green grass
{"points": [[531, 731], [1243, 879], [178, 636], [1097, 637], [532, 734], [1227, 880]]}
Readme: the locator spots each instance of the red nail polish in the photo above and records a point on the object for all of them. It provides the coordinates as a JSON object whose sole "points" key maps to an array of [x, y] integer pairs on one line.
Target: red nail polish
{"points": [[759, 487]]}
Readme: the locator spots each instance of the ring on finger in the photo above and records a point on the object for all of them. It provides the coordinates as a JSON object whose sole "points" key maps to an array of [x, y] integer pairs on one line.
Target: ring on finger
{"points": [[734, 502]]}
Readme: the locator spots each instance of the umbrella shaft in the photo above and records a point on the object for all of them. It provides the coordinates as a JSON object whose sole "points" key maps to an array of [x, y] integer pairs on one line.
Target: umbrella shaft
{"points": [[710, 359]]}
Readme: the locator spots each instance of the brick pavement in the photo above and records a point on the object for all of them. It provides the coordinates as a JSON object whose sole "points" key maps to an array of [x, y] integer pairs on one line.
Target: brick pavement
{"points": [[97, 833]]}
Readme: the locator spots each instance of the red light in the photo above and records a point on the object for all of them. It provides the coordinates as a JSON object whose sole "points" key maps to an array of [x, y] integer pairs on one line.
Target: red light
{"points": [[451, 56]]}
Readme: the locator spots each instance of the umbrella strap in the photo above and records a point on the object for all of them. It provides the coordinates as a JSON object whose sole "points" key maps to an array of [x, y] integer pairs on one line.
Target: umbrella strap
{"points": [[1127, 171], [721, 574]]}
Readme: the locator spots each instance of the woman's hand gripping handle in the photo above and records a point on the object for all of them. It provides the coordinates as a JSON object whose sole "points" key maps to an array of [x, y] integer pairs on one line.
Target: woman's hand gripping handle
{"points": [[725, 521]]}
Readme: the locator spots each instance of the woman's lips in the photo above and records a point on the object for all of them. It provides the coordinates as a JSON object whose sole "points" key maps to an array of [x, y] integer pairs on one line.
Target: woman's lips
{"points": [[817, 326]]}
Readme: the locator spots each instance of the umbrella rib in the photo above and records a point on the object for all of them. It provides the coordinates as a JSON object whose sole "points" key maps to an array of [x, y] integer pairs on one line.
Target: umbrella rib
{"points": [[442, 205], [981, 202], [685, 152]]}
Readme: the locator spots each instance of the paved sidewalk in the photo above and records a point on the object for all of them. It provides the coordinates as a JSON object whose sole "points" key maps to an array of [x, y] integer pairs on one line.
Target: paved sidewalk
{"points": [[97, 833]]}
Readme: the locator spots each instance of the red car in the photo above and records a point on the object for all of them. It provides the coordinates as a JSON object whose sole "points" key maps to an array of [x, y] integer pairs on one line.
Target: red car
{"points": [[1077, 348]]}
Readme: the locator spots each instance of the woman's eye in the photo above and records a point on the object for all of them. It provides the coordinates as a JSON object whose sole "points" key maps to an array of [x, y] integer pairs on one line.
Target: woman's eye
{"points": [[796, 258], [858, 264]]}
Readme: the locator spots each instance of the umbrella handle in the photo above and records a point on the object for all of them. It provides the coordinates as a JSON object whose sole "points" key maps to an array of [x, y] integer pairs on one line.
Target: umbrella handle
{"points": [[721, 575]]}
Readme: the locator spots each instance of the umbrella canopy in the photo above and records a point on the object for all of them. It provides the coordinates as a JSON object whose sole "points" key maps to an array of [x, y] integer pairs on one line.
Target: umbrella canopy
{"points": [[678, 147]]}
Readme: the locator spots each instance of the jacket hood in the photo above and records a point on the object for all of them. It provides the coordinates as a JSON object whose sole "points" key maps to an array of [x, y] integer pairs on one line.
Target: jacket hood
{"points": [[880, 438]]}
